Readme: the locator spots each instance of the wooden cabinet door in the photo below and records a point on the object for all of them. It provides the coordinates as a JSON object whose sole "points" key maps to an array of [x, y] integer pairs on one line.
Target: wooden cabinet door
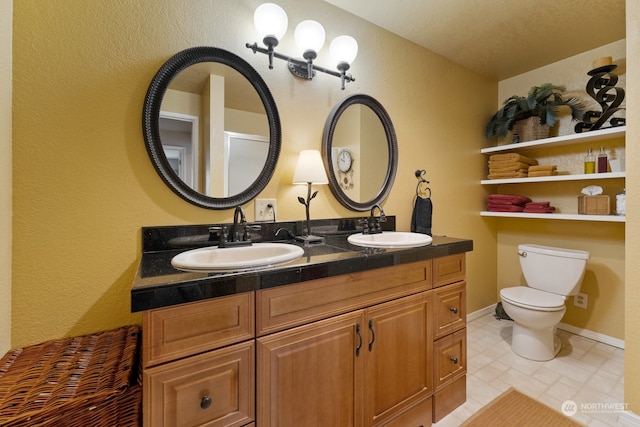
{"points": [[213, 389], [311, 375], [399, 355]]}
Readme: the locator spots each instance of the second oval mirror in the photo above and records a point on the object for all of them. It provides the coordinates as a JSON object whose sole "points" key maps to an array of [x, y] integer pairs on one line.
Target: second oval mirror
{"points": [[360, 152]]}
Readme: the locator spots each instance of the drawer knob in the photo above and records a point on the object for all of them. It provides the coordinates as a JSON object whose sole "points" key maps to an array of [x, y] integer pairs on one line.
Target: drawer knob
{"points": [[205, 402], [454, 359], [454, 310]]}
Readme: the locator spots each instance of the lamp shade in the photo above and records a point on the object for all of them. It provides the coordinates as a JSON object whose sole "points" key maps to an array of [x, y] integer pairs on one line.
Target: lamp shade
{"points": [[270, 20], [309, 35], [343, 49], [310, 168]]}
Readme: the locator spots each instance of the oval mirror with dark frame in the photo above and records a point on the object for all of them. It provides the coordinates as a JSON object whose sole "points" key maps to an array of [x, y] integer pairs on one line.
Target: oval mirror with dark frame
{"points": [[360, 152], [204, 108]]}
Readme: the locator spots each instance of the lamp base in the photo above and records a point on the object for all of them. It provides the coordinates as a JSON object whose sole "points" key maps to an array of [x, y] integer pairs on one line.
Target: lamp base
{"points": [[310, 240]]}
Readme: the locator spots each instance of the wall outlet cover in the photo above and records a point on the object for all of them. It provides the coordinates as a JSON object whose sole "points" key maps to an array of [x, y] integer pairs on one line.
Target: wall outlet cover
{"points": [[580, 300], [265, 210]]}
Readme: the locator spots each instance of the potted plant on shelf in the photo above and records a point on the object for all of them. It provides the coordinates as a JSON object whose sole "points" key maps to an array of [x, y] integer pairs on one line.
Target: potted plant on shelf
{"points": [[531, 116]]}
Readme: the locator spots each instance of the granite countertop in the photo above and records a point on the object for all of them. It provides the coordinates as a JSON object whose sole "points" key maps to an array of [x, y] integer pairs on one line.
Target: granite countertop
{"points": [[157, 284]]}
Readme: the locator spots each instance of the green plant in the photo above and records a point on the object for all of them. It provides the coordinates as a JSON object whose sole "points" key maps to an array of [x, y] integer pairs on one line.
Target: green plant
{"points": [[541, 101]]}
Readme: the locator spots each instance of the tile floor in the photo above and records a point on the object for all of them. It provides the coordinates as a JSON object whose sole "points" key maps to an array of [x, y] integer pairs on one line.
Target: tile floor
{"points": [[588, 372]]}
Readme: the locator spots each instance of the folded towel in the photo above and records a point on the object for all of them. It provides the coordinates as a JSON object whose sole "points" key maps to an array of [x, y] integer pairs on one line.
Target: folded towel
{"points": [[513, 157], [504, 208], [541, 173], [543, 168], [539, 210], [508, 199], [537, 205], [503, 175], [508, 165], [421, 216]]}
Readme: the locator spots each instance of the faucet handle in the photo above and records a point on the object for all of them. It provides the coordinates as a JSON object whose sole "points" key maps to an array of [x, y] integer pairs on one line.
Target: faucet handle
{"points": [[248, 229], [365, 225], [222, 234]]}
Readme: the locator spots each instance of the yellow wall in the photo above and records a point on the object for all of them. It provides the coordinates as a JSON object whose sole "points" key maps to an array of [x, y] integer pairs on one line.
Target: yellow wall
{"points": [[5, 175], [83, 183], [604, 280], [632, 246]]}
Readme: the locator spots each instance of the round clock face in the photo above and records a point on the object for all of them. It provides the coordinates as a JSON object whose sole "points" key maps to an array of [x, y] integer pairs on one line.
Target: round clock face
{"points": [[344, 160]]}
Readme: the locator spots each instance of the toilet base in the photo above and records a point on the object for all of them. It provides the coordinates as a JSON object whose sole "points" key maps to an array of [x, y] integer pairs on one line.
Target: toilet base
{"points": [[535, 344]]}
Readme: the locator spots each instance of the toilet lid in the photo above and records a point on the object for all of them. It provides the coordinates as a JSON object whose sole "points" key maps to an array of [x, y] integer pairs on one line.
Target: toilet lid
{"points": [[527, 297]]}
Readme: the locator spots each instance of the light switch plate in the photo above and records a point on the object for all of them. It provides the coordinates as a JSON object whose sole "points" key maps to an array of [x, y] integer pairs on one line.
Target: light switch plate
{"points": [[265, 209]]}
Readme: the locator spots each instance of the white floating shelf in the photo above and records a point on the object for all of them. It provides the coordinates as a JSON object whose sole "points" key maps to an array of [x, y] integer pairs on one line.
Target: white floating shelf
{"points": [[561, 216], [576, 177], [576, 138]]}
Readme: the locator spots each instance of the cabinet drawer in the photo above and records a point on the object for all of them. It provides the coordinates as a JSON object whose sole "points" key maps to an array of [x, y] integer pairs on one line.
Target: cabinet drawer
{"points": [[215, 388], [448, 269], [288, 306], [450, 308], [174, 332], [449, 358]]}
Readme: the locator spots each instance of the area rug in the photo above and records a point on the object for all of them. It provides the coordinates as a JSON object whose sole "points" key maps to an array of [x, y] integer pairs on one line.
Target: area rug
{"points": [[513, 408]]}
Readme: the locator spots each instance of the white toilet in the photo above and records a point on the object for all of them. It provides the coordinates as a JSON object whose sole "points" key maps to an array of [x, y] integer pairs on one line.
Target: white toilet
{"points": [[551, 274]]}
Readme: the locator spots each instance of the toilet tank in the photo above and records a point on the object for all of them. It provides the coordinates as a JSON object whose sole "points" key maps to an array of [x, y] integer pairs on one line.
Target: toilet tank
{"points": [[554, 270]]}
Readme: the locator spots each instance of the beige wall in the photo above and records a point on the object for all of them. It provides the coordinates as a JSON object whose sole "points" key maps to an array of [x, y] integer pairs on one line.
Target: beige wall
{"points": [[83, 183], [632, 268], [6, 16], [604, 278]]}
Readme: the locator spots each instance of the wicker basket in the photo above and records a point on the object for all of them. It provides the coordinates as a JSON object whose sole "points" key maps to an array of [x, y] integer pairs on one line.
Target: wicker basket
{"points": [[90, 380], [530, 129]]}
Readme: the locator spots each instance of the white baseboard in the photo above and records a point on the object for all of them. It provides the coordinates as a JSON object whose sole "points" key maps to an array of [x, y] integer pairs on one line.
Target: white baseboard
{"points": [[606, 339], [629, 419]]}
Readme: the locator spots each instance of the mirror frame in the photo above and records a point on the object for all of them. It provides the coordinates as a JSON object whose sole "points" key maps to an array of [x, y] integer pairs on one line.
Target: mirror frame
{"points": [[151, 128], [327, 140]]}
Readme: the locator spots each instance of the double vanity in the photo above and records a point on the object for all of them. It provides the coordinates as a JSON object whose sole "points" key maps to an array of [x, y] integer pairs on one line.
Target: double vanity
{"points": [[344, 335]]}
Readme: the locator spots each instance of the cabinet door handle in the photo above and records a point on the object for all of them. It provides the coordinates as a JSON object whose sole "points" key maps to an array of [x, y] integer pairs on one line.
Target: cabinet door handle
{"points": [[205, 402], [373, 334], [359, 339], [454, 359], [454, 310]]}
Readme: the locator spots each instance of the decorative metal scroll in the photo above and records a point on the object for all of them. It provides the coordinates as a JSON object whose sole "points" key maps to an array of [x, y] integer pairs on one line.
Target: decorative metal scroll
{"points": [[608, 96]]}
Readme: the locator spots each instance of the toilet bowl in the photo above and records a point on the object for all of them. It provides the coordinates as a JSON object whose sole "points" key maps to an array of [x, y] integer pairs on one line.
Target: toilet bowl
{"points": [[551, 274]]}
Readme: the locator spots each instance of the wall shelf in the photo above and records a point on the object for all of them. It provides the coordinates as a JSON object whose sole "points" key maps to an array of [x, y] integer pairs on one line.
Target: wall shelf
{"points": [[575, 177], [560, 216], [576, 138]]}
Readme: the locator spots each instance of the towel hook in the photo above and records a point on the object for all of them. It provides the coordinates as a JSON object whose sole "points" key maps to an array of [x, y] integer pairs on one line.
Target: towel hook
{"points": [[419, 174]]}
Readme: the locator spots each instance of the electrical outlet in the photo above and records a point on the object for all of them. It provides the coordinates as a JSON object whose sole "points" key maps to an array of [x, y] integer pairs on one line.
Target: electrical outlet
{"points": [[265, 209], [580, 300]]}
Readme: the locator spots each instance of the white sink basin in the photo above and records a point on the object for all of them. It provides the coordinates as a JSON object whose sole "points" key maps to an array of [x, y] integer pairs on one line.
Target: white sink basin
{"points": [[239, 258], [390, 239]]}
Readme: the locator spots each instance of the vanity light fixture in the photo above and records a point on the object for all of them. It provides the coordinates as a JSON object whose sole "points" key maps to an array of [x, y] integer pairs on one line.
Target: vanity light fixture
{"points": [[309, 170], [271, 23]]}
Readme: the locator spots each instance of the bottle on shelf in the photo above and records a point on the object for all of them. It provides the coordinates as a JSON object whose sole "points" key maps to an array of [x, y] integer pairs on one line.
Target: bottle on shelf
{"points": [[590, 162], [621, 202], [602, 161]]}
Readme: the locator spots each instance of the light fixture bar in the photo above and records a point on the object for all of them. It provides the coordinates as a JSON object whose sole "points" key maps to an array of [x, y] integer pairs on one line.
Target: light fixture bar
{"points": [[300, 67]]}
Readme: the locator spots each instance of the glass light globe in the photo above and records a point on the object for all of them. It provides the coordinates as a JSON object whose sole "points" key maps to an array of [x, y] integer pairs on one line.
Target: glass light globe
{"points": [[343, 49], [270, 20], [309, 35]]}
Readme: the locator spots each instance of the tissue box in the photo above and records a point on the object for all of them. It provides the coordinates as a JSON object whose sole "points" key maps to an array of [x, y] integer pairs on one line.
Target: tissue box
{"points": [[594, 205]]}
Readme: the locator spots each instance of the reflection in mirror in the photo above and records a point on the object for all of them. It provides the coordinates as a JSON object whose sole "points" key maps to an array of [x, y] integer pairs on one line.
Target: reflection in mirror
{"points": [[211, 128], [213, 113], [360, 152]]}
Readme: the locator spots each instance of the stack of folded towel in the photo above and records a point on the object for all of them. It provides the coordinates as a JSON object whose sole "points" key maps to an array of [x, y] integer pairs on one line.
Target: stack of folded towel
{"points": [[543, 170], [509, 165], [538, 207], [506, 203]]}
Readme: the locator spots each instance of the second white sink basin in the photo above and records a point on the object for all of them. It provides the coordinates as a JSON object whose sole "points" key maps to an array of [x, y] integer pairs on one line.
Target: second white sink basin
{"points": [[390, 239], [238, 258]]}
